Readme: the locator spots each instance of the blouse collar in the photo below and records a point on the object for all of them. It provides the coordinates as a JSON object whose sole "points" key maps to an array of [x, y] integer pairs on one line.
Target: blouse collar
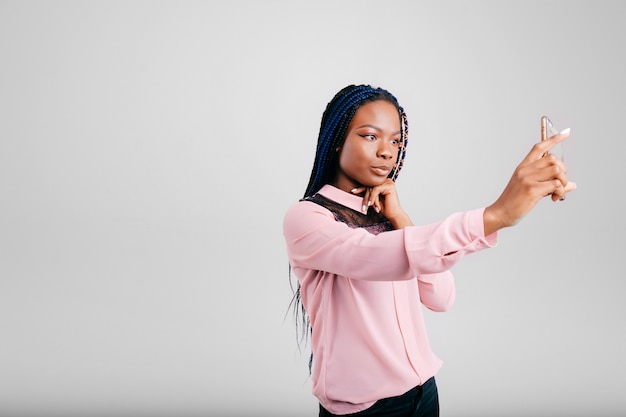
{"points": [[355, 202]]}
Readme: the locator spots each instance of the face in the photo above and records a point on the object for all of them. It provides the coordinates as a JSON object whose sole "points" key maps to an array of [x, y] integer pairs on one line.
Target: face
{"points": [[370, 150]]}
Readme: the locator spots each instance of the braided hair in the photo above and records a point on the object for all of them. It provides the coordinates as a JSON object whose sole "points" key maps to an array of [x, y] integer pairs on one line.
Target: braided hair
{"points": [[333, 130], [335, 120]]}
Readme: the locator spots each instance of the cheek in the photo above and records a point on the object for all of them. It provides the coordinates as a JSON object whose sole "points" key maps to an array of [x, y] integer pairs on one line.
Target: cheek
{"points": [[347, 157], [354, 152]]}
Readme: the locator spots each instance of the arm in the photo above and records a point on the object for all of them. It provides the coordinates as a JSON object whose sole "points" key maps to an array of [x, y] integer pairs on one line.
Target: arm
{"points": [[315, 241]]}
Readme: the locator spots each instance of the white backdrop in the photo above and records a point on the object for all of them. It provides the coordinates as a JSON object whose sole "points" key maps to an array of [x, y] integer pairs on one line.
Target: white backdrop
{"points": [[149, 149]]}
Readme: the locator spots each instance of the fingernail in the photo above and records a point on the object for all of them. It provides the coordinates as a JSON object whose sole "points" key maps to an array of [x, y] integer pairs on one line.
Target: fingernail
{"points": [[377, 209], [564, 131], [353, 190], [369, 203], [364, 208]]}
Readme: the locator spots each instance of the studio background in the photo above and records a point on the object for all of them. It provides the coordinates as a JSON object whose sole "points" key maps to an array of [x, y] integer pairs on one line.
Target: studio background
{"points": [[149, 150]]}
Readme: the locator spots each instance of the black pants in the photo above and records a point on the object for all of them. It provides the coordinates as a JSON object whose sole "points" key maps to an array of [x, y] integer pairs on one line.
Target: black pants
{"points": [[421, 401]]}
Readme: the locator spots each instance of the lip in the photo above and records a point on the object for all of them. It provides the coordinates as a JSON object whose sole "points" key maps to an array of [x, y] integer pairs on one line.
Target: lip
{"points": [[381, 170]]}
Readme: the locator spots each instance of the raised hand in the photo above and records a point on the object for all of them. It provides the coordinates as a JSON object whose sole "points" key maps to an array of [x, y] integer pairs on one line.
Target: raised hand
{"points": [[540, 174]]}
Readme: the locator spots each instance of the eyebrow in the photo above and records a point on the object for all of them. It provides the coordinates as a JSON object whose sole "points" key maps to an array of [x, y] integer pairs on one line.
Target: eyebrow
{"points": [[377, 128]]}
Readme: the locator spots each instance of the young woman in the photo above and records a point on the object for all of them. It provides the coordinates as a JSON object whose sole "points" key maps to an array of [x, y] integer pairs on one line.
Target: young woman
{"points": [[363, 268]]}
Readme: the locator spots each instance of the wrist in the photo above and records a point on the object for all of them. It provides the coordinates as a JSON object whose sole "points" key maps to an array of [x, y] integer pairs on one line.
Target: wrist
{"points": [[400, 221], [492, 220]]}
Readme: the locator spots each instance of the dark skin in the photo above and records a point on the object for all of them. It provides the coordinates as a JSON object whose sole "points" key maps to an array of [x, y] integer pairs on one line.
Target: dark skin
{"points": [[370, 151]]}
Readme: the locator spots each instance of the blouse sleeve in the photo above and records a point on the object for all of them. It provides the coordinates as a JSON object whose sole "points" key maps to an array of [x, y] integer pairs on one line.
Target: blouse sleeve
{"points": [[437, 291], [316, 241]]}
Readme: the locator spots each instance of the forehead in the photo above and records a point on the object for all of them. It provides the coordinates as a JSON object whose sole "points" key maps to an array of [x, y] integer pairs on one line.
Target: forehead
{"points": [[379, 113]]}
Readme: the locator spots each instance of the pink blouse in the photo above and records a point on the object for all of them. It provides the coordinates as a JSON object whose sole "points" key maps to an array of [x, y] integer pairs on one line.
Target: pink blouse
{"points": [[361, 293]]}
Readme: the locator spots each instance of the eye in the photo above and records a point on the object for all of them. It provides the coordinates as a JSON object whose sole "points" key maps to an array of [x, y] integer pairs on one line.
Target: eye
{"points": [[371, 137], [397, 142]]}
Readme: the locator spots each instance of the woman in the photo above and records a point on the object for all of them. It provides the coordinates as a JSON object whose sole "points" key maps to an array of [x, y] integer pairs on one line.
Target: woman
{"points": [[363, 268]]}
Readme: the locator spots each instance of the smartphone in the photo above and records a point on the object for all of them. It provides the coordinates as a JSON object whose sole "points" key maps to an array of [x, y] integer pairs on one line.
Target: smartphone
{"points": [[547, 131]]}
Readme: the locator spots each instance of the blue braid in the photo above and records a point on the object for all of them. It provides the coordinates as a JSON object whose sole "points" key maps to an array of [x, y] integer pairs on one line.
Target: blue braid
{"points": [[335, 120]]}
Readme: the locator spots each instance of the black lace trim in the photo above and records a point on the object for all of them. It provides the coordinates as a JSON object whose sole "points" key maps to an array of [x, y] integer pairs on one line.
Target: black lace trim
{"points": [[373, 222]]}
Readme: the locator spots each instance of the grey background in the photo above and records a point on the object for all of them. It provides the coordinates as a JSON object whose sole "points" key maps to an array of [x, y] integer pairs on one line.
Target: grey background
{"points": [[149, 149]]}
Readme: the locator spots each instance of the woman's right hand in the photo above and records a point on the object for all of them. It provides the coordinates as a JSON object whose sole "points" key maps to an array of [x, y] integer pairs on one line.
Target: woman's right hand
{"points": [[384, 199], [538, 175]]}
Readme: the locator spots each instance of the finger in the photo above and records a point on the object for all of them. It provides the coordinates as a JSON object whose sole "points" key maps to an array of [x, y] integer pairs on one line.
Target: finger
{"points": [[562, 189], [571, 186], [553, 140], [360, 190], [548, 168], [552, 188], [559, 193], [564, 132], [557, 167], [540, 149], [367, 199], [374, 199]]}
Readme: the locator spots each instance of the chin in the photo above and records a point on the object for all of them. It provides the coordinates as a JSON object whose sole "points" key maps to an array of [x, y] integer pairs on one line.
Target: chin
{"points": [[374, 182]]}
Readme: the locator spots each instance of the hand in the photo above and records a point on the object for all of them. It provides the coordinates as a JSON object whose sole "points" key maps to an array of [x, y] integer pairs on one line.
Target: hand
{"points": [[538, 175], [384, 199]]}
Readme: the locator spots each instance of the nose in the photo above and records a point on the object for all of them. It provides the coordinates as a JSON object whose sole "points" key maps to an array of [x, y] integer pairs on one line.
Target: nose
{"points": [[385, 149]]}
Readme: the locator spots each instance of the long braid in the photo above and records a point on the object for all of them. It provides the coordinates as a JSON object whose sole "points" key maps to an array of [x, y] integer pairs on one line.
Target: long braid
{"points": [[333, 129]]}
